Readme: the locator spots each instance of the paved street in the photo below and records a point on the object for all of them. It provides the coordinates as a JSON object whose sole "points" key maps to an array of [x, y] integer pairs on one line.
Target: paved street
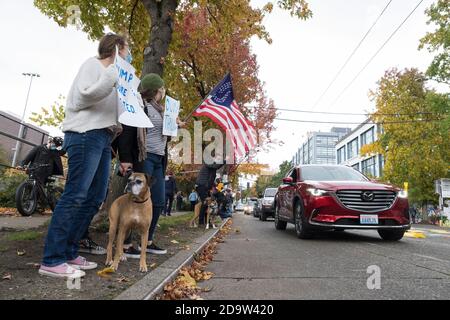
{"points": [[260, 262]]}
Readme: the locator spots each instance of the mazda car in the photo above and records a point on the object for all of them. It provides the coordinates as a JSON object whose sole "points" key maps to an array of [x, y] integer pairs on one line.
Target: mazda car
{"points": [[336, 197]]}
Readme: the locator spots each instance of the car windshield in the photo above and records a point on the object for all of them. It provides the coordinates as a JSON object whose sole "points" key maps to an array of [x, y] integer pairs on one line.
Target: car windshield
{"points": [[330, 173], [270, 192]]}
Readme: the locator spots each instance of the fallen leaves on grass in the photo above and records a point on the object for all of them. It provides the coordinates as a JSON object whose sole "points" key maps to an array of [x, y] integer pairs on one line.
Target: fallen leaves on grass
{"points": [[105, 273], [7, 276], [185, 284], [123, 279], [9, 211], [174, 241], [21, 252], [153, 265]]}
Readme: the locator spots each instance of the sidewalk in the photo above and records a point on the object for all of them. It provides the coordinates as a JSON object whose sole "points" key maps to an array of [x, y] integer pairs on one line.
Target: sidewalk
{"points": [[15, 223], [20, 223]]}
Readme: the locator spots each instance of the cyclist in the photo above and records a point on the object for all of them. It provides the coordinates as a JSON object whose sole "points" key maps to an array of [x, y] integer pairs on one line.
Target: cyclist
{"points": [[48, 155]]}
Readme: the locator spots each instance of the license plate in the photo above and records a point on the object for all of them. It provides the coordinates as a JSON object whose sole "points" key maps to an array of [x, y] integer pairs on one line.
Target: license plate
{"points": [[368, 219]]}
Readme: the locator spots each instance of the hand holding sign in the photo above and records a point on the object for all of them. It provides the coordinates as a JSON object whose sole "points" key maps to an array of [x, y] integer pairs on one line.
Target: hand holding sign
{"points": [[170, 124], [130, 110]]}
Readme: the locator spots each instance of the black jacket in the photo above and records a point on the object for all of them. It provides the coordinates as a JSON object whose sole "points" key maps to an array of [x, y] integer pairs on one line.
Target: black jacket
{"points": [[126, 146], [171, 186], [43, 155], [207, 175]]}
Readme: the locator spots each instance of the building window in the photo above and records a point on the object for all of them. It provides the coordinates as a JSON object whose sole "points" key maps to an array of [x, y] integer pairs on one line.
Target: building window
{"points": [[367, 137], [352, 149], [341, 155], [368, 167]]}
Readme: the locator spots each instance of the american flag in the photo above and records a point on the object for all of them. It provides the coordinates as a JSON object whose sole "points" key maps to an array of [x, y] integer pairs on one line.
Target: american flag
{"points": [[221, 108]]}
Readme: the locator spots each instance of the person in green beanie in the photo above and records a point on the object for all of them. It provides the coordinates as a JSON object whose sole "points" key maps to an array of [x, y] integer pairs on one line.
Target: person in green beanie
{"points": [[145, 150]]}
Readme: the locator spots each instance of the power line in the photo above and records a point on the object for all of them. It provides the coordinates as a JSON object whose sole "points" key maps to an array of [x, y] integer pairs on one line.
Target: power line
{"points": [[368, 122], [351, 55], [376, 53], [345, 113]]}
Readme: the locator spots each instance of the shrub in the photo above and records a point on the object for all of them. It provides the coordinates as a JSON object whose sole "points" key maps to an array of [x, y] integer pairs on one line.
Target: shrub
{"points": [[9, 182]]}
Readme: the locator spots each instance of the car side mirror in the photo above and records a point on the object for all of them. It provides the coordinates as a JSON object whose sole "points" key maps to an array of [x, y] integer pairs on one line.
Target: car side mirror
{"points": [[288, 180]]}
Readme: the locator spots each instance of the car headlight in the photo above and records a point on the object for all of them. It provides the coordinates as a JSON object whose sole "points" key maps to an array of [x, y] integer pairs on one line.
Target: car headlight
{"points": [[403, 194], [317, 192]]}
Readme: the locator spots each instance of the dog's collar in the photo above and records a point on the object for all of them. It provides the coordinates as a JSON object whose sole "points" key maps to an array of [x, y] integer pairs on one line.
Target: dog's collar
{"points": [[141, 201]]}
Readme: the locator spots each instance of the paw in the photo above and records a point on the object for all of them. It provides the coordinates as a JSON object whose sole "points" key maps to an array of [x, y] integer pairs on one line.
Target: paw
{"points": [[108, 262], [115, 266], [123, 258], [143, 268]]}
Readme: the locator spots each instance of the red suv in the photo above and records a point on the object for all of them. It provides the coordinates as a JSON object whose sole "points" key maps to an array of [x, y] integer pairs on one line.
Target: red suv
{"points": [[334, 197]]}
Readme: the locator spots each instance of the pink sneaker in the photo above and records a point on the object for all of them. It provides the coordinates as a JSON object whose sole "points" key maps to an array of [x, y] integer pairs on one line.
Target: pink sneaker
{"points": [[61, 271], [82, 263]]}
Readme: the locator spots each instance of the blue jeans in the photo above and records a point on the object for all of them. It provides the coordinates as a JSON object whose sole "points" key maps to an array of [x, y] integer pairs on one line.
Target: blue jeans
{"points": [[153, 166], [86, 187]]}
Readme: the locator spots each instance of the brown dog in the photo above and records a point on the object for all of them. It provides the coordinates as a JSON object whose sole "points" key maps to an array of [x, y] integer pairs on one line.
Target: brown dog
{"points": [[210, 214], [131, 210]]}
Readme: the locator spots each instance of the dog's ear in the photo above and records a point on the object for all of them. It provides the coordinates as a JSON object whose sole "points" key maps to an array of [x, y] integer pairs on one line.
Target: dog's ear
{"points": [[150, 180]]}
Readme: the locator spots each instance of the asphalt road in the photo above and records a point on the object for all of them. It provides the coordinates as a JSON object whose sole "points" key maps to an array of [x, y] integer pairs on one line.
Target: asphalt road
{"points": [[260, 262]]}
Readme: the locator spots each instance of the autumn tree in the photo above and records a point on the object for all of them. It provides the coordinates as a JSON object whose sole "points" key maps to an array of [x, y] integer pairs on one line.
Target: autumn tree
{"points": [[149, 24], [438, 41], [416, 150], [52, 116]]}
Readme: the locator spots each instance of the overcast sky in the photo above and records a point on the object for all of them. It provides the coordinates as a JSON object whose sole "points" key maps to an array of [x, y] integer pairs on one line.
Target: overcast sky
{"points": [[297, 67]]}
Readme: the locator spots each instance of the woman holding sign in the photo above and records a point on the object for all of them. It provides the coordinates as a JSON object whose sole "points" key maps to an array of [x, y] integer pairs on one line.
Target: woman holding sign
{"points": [[89, 125], [133, 144]]}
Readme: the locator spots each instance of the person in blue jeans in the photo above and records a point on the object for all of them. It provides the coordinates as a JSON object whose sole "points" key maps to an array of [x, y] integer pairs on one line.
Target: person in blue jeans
{"points": [[89, 125], [148, 152]]}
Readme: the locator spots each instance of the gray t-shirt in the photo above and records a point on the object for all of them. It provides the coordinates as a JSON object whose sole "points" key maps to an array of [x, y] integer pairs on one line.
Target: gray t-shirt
{"points": [[156, 142]]}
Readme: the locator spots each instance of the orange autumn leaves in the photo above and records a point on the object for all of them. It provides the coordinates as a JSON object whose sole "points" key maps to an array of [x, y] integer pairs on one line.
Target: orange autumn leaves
{"points": [[185, 286]]}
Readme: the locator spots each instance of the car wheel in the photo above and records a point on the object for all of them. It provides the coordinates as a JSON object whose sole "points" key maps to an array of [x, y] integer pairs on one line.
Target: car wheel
{"points": [[301, 226], [263, 216], [391, 235], [279, 224]]}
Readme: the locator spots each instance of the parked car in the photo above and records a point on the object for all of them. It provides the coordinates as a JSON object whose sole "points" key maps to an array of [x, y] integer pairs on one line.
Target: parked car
{"points": [[239, 206], [334, 197], [249, 206], [267, 207], [258, 208]]}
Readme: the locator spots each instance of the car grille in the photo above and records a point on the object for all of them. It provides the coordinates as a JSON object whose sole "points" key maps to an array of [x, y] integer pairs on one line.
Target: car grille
{"points": [[379, 200]]}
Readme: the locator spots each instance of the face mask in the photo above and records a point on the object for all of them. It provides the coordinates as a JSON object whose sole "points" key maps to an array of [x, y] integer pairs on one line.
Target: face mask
{"points": [[163, 93], [129, 58]]}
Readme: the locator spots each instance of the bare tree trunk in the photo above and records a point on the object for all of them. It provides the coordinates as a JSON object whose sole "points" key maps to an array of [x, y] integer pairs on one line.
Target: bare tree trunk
{"points": [[161, 14]]}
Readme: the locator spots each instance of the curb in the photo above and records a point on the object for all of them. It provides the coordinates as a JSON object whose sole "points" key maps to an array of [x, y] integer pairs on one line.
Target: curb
{"points": [[153, 283]]}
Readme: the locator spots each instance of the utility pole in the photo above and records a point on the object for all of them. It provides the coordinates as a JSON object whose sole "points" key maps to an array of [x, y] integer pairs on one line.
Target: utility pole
{"points": [[20, 136]]}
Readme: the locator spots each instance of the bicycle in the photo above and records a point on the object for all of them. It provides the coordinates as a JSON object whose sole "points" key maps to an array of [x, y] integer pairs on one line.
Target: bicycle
{"points": [[32, 193]]}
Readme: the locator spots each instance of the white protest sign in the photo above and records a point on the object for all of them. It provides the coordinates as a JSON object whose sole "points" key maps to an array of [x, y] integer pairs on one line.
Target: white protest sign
{"points": [[130, 111], [172, 109]]}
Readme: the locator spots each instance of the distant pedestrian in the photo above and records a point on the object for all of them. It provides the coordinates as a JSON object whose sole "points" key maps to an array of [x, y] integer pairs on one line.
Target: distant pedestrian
{"points": [[193, 198], [171, 189], [179, 199]]}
